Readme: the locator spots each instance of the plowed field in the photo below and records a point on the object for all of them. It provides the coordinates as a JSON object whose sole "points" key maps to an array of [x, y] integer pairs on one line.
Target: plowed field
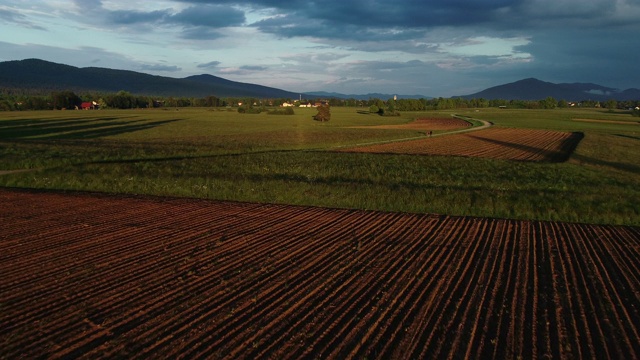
{"points": [[496, 143], [97, 276]]}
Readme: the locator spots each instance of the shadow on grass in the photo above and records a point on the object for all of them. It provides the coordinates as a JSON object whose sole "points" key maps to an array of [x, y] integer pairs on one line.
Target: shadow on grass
{"points": [[74, 129], [190, 157], [628, 136], [633, 169]]}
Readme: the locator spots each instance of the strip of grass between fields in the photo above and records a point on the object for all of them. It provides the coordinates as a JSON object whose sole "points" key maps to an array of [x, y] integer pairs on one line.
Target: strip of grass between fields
{"points": [[443, 185]]}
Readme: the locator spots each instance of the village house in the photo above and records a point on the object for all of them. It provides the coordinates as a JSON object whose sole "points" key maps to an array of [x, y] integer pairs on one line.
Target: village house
{"points": [[89, 105]]}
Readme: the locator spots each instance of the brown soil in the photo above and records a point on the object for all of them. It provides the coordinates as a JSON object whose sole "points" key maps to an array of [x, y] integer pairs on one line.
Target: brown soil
{"points": [[495, 143], [98, 276]]}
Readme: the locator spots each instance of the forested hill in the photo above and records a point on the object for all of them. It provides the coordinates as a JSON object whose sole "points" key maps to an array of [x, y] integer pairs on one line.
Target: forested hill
{"points": [[39, 75], [534, 89]]}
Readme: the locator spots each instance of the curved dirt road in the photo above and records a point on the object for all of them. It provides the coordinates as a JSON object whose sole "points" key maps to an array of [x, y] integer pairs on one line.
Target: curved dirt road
{"points": [[485, 124]]}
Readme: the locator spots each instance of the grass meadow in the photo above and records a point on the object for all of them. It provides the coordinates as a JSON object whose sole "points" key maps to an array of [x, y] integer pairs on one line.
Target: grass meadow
{"points": [[220, 154]]}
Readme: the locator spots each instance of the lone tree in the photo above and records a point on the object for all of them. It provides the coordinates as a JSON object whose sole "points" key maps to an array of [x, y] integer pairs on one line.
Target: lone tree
{"points": [[324, 113]]}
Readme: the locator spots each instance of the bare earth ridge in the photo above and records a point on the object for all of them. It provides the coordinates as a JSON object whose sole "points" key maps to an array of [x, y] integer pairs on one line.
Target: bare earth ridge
{"points": [[103, 276]]}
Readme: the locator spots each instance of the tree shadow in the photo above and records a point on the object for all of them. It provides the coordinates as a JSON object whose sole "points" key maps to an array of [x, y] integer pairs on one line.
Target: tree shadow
{"points": [[567, 151], [628, 136], [109, 130], [567, 147], [633, 169], [74, 129]]}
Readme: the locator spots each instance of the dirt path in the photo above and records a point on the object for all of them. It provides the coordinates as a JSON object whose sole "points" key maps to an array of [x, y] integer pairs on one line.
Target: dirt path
{"points": [[485, 124]]}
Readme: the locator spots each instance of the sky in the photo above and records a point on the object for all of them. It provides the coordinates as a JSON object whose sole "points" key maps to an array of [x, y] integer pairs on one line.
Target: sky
{"points": [[437, 48]]}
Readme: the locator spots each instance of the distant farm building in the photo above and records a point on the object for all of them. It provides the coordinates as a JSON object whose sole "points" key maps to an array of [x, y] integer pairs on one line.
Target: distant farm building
{"points": [[89, 105]]}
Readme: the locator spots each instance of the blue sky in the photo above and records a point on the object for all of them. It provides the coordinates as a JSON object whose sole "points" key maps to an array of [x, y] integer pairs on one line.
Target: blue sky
{"points": [[427, 47]]}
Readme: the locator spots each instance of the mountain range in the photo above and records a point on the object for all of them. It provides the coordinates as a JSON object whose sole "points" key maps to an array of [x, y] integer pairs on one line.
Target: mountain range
{"points": [[45, 76], [534, 89], [35, 74], [326, 95]]}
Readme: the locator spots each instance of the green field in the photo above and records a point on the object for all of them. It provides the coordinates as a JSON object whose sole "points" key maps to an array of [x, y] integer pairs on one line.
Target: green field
{"points": [[220, 154]]}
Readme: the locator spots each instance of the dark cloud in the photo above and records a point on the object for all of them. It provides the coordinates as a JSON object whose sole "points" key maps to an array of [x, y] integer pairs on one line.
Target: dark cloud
{"points": [[290, 26], [15, 18], [392, 21], [382, 20], [201, 15], [129, 17], [602, 55], [198, 22], [214, 16]]}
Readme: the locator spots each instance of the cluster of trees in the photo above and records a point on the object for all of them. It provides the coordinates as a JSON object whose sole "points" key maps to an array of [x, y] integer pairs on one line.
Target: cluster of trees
{"points": [[384, 109], [58, 100]]}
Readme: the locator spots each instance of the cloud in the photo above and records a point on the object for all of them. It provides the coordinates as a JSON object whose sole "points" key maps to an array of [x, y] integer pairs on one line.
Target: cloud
{"points": [[160, 68], [198, 22], [209, 65], [315, 58], [14, 17], [243, 70], [253, 68], [289, 26], [88, 5], [576, 13], [200, 33], [130, 17], [213, 16], [411, 19]]}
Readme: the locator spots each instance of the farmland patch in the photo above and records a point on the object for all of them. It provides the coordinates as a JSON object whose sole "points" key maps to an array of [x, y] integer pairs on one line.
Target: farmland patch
{"points": [[97, 276], [495, 143]]}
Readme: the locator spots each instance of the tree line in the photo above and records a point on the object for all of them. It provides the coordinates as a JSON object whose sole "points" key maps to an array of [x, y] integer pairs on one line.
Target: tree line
{"points": [[378, 105], [11, 101], [58, 100]]}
